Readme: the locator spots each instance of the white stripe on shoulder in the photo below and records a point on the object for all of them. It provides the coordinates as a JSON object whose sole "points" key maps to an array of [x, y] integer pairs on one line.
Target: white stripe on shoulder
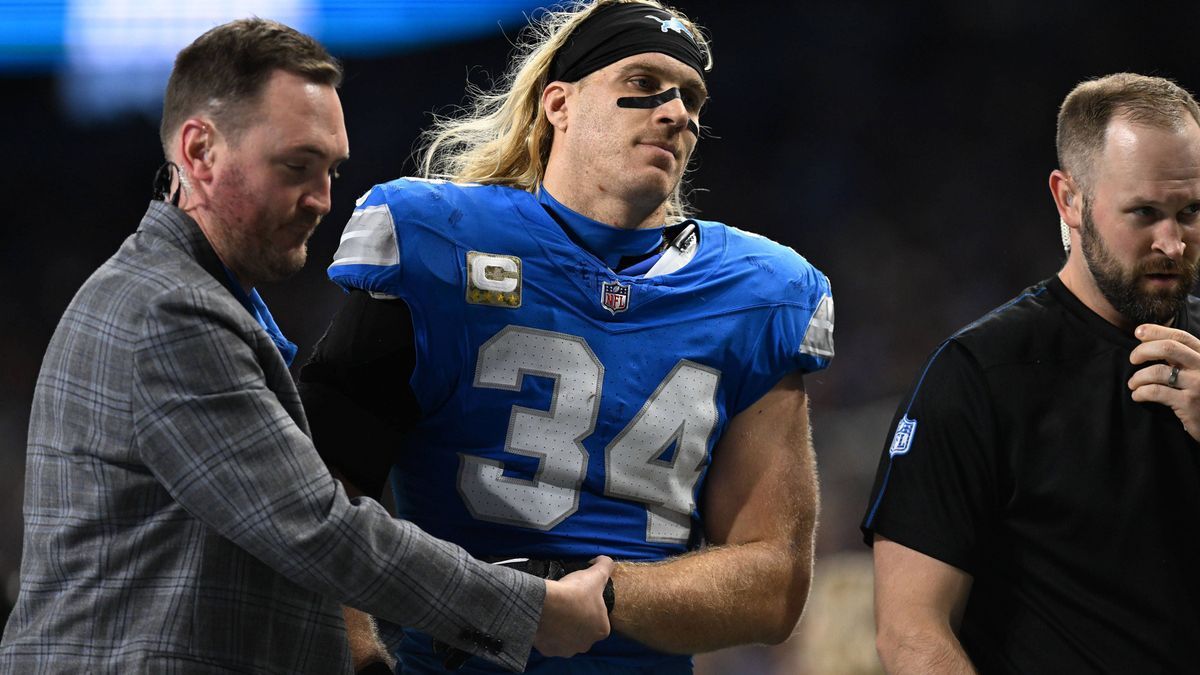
{"points": [[818, 339], [369, 239]]}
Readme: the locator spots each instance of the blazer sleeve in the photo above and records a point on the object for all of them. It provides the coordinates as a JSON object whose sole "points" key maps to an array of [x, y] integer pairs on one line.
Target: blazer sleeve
{"points": [[221, 443]]}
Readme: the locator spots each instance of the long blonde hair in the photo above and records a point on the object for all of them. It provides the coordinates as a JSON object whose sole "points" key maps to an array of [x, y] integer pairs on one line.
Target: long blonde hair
{"points": [[501, 136]]}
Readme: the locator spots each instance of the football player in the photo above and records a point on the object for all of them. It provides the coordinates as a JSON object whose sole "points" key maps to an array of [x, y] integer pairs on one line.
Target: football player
{"points": [[553, 361]]}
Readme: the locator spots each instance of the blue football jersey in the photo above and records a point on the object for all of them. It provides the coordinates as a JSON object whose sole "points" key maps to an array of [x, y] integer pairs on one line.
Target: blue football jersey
{"points": [[567, 410]]}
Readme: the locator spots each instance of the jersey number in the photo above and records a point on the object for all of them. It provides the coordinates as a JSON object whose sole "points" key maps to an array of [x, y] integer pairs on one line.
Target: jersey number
{"points": [[655, 460]]}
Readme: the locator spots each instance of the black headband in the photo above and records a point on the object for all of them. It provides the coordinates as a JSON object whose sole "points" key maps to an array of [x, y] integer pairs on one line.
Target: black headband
{"points": [[623, 29]]}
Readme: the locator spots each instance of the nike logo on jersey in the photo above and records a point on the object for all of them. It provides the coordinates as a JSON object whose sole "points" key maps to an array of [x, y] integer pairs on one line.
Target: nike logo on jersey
{"points": [[493, 279]]}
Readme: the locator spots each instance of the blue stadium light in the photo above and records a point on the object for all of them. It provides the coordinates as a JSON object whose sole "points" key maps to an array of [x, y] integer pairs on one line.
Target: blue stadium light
{"points": [[113, 56]]}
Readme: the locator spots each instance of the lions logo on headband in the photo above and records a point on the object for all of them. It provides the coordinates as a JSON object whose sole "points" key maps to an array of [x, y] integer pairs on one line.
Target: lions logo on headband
{"points": [[673, 24], [619, 30]]}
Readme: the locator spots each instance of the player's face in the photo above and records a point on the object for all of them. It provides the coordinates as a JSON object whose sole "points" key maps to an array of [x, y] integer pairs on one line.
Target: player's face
{"points": [[1141, 221], [273, 185], [639, 153]]}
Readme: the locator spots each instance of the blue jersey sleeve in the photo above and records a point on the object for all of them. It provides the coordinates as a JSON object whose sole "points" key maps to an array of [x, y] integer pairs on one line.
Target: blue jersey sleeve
{"points": [[804, 326], [798, 332], [368, 255]]}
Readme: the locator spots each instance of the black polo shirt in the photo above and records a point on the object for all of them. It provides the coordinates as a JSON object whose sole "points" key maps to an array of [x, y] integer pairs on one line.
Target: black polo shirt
{"points": [[1020, 458]]}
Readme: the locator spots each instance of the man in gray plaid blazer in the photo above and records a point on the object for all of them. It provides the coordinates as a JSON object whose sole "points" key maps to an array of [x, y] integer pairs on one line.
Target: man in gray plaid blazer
{"points": [[177, 516]]}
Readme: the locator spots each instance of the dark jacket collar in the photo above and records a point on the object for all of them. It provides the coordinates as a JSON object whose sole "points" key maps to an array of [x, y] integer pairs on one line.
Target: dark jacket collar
{"points": [[180, 230]]}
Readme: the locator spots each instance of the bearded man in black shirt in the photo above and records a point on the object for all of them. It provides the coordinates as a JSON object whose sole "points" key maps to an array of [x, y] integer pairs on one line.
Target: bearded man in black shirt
{"points": [[1033, 507]]}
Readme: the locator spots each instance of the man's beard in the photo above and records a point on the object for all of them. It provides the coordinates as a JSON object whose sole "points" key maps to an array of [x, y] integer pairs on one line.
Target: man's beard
{"points": [[252, 252], [1122, 288]]}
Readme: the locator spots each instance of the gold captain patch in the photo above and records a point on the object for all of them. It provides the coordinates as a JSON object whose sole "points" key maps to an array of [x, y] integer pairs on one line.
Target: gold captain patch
{"points": [[493, 279]]}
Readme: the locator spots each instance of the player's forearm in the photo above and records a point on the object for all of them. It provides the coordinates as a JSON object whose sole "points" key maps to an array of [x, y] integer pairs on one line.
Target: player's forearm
{"points": [[714, 598], [917, 649]]}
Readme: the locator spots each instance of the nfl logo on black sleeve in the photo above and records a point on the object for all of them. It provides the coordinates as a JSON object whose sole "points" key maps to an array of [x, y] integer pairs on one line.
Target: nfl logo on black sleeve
{"points": [[614, 296], [902, 441]]}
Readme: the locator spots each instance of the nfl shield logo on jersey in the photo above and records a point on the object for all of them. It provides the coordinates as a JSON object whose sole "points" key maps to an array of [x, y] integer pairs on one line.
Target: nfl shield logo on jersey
{"points": [[614, 296]]}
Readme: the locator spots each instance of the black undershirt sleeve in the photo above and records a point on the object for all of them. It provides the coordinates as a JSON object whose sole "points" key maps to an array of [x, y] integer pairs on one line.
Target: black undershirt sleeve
{"points": [[356, 389]]}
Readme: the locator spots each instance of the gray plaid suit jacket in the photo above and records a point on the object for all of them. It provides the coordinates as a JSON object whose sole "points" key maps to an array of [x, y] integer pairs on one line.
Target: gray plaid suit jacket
{"points": [[177, 516]]}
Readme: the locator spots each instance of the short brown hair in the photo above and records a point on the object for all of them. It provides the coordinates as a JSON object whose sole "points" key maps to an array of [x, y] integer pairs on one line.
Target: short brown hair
{"points": [[224, 72], [1085, 113]]}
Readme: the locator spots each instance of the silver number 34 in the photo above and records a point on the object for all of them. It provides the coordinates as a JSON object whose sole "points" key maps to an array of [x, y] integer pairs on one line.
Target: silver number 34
{"points": [[681, 411]]}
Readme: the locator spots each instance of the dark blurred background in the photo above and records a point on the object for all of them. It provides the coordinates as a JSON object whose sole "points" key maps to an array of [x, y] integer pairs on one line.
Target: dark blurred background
{"points": [[902, 147]]}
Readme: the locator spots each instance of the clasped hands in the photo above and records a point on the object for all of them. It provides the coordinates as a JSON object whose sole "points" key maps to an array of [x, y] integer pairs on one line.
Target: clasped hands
{"points": [[574, 615]]}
